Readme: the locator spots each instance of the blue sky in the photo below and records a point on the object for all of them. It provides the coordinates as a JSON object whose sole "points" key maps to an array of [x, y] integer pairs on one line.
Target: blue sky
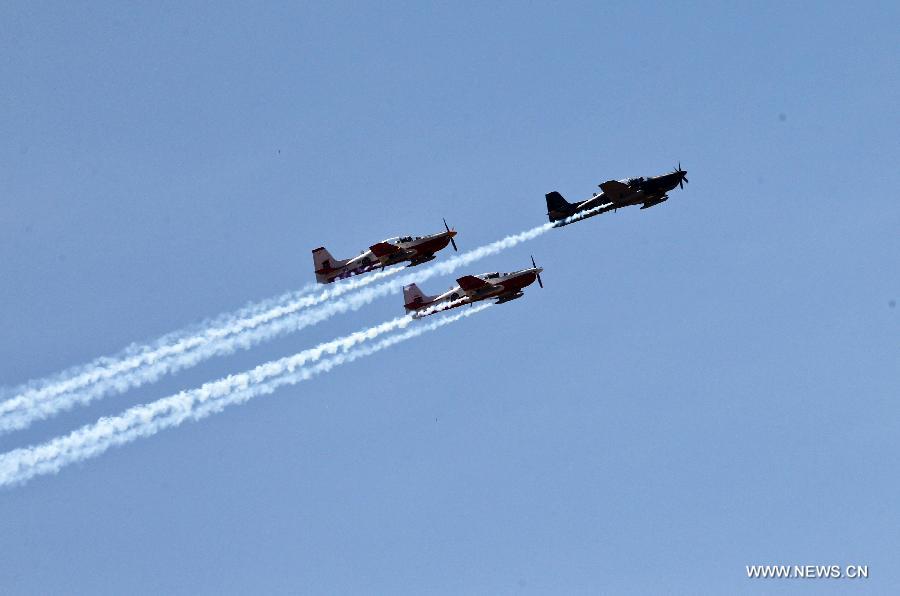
{"points": [[703, 385]]}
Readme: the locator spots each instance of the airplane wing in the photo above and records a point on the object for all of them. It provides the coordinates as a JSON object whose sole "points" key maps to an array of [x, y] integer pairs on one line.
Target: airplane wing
{"points": [[384, 249], [474, 285], [614, 189]]}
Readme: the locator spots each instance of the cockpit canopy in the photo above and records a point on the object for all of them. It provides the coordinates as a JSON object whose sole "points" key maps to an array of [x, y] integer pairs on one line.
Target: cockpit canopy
{"points": [[492, 275], [401, 239], [630, 181]]}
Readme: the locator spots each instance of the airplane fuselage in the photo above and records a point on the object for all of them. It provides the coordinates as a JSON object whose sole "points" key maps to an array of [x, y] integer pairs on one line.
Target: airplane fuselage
{"points": [[362, 263], [418, 250], [414, 249], [640, 191], [502, 286], [646, 192]]}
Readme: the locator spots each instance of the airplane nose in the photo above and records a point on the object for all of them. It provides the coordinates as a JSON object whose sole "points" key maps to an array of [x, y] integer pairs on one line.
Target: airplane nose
{"points": [[450, 235]]}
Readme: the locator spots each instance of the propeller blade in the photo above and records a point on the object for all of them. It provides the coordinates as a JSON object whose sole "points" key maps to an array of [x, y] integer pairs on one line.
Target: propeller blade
{"points": [[452, 241], [538, 275], [683, 178]]}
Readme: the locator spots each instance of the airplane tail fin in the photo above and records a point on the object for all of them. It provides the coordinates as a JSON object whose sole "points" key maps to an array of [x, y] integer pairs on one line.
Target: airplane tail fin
{"points": [[324, 264], [557, 207], [414, 299]]}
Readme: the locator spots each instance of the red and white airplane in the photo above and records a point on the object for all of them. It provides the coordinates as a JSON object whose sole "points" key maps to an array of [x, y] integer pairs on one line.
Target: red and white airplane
{"points": [[472, 288], [415, 249]]}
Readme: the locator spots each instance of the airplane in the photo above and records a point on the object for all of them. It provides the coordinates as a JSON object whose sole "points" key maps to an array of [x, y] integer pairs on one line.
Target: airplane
{"points": [[616, 193], [415, 249], [472, 288]]}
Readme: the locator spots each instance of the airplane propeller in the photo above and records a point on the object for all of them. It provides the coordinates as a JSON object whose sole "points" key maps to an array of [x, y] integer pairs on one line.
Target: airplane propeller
{"points": [[540, 283], [452, 241], [683, 174]]}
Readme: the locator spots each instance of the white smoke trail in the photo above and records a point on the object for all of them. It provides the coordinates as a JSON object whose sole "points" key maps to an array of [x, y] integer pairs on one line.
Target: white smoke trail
{"points": [[139, 364], [75, 375], [20, 465], [113, 375]]}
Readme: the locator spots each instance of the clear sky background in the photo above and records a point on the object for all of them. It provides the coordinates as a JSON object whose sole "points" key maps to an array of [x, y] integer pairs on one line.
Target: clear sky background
{"points": [[703, 385]]}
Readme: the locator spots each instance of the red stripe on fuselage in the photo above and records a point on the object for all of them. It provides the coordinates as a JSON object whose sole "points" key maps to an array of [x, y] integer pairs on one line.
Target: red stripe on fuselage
{"points": [[433, 245], [514, 284]]}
